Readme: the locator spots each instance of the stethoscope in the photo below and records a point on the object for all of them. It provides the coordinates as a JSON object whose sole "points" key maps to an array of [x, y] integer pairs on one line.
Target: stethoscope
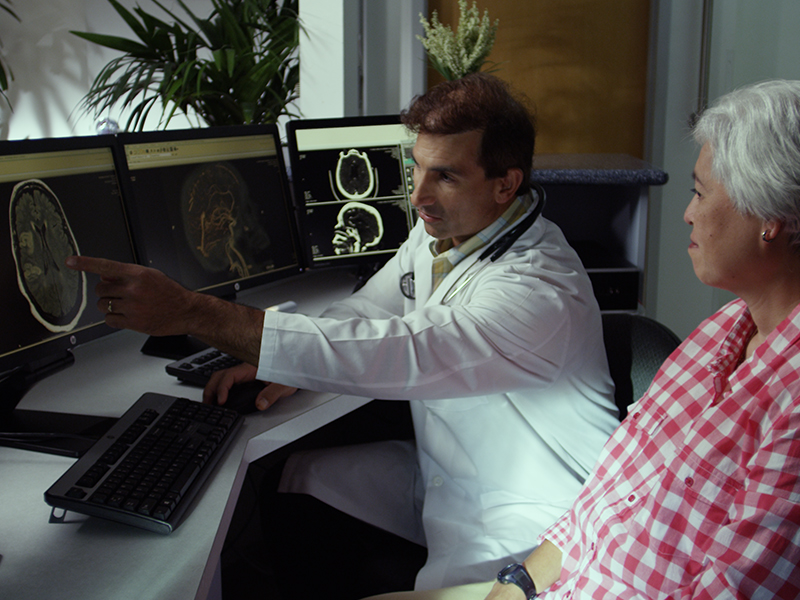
{"points": [[494, 251]]}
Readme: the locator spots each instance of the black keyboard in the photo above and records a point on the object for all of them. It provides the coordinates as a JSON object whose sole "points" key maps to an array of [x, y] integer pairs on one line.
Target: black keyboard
{"points": [[199, 367], [150, 465]]}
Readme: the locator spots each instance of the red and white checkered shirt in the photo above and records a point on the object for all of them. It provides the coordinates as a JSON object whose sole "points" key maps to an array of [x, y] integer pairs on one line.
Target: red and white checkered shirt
{"points": [[696, 495]]}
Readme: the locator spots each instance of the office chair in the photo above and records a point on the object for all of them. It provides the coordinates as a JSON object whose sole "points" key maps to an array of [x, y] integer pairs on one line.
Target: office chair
{"points": [[636, 347]]}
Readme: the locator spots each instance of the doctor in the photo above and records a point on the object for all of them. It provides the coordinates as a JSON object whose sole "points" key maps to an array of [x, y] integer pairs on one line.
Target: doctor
{"points": [[485, 319]]}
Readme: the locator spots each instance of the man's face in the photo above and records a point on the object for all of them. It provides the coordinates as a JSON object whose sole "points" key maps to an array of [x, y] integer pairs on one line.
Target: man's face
{"points": [[451, 192]]}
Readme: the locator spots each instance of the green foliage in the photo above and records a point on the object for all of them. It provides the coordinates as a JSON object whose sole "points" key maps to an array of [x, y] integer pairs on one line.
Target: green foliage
{"points": [[238, 66], [465, 51], [5, 71]]}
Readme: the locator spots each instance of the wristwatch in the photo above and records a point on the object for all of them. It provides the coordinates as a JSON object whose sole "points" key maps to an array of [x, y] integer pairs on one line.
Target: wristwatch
{"points": [[519, 576]]}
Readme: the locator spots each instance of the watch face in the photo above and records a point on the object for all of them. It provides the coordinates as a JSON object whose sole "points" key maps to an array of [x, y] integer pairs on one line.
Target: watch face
{"points": [[518, 575], [507, 573]]}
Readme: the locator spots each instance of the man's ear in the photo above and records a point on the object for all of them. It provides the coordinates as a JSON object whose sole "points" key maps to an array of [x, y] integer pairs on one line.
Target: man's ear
{"points": [[508, 185]]}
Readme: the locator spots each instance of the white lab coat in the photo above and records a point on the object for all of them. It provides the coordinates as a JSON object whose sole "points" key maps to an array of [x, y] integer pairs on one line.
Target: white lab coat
{"points": [[511, 398]]}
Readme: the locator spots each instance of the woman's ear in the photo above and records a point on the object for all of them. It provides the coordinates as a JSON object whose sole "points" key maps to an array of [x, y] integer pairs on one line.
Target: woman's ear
{"points": [[770, 230]]}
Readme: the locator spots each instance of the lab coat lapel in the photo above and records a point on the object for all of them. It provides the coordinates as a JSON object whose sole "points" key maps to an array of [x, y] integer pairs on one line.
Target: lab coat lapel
{"points": [[423, 260], [455, 278]]}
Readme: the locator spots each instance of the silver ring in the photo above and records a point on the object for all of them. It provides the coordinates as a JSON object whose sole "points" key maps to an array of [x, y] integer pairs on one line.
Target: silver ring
{"points": [[110, 310]]}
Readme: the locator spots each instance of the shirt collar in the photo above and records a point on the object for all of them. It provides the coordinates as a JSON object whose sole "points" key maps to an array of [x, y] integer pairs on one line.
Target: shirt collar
{"points": [[735, 343], [455, 254]]}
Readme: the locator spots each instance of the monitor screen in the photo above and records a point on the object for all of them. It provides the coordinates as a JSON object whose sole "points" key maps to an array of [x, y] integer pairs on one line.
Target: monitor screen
{"points": [[58, 197], [352, 179], [211, 207]]}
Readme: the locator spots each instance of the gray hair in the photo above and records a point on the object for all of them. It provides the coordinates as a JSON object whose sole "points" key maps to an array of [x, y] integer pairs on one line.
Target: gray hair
{"points": [[754, 135]]}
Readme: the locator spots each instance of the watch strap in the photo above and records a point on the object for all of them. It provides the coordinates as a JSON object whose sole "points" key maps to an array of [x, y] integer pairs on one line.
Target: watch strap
{"points": [[517, 574]]}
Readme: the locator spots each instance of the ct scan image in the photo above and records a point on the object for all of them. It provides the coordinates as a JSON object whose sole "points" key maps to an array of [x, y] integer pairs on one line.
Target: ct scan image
{"points": [[355, 201], [214, 208], [355, 178]]}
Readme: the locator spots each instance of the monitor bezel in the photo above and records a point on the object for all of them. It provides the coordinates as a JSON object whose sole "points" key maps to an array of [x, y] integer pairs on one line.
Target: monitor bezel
{"points": [[45, 355], [292, 127]]}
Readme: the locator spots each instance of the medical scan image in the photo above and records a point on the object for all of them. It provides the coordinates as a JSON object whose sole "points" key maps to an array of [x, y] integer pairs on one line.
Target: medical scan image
{"points": [[359, 227], [356, 179], [41, 239], [219, 220]]}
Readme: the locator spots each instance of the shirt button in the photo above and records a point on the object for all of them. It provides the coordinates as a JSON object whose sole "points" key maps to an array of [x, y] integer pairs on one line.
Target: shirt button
{"points": [[437, 481], [689, 482], [632, 497]]}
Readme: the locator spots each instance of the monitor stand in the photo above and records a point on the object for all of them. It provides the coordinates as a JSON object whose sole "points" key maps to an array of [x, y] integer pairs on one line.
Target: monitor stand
{"points": [[173, 347], [57, 433], [177, 347]]}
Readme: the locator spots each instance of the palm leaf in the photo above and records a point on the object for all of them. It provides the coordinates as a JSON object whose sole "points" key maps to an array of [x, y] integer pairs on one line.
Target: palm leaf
{"points": [[6, 74], [131, 20], [114, 42], [238, 65]]}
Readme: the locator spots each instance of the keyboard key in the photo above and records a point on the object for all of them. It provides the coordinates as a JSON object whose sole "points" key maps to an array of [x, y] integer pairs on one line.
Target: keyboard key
{"points": [[76, 493]]}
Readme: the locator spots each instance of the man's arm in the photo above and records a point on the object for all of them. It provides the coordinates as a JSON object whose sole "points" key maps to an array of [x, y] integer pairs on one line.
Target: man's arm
{"points": [[146, 300]]}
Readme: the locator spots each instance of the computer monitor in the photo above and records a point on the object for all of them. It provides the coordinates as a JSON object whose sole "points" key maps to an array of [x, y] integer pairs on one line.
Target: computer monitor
{"points": [[211, 207], [352, 178], [58, 197]]}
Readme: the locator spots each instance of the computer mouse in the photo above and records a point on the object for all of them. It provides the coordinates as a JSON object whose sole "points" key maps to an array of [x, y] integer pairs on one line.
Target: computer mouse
{"points": [[242, 397]]}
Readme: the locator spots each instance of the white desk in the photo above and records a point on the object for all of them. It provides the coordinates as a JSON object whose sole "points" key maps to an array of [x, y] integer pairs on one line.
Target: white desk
{"points": [[92, 558]]}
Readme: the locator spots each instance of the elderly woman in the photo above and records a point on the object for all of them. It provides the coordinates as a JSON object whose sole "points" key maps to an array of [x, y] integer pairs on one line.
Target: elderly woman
{"points": [[697, 494]]}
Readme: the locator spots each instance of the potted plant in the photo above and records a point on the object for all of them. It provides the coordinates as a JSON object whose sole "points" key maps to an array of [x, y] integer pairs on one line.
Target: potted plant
{"points": [[5, 71], [457, 53], [239, 65]]}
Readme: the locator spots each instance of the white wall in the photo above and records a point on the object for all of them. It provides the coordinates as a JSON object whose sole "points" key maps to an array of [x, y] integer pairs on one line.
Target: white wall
{"points": [[53, 69], [754, 40], [673, 294], [329, 58], [360, 57], [395, 63], [751, 40]]}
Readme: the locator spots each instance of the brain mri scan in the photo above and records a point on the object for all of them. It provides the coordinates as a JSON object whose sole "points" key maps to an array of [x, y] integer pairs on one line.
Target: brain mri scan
{"points": [[359, 227], [41, 239]]}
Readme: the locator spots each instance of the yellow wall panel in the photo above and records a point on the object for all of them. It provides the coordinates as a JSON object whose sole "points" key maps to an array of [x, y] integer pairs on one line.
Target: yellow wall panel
{"points": [[582, 62]]}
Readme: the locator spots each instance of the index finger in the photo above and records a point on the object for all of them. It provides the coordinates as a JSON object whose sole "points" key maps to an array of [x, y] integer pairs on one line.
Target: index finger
{"points": [[99, 266]]}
